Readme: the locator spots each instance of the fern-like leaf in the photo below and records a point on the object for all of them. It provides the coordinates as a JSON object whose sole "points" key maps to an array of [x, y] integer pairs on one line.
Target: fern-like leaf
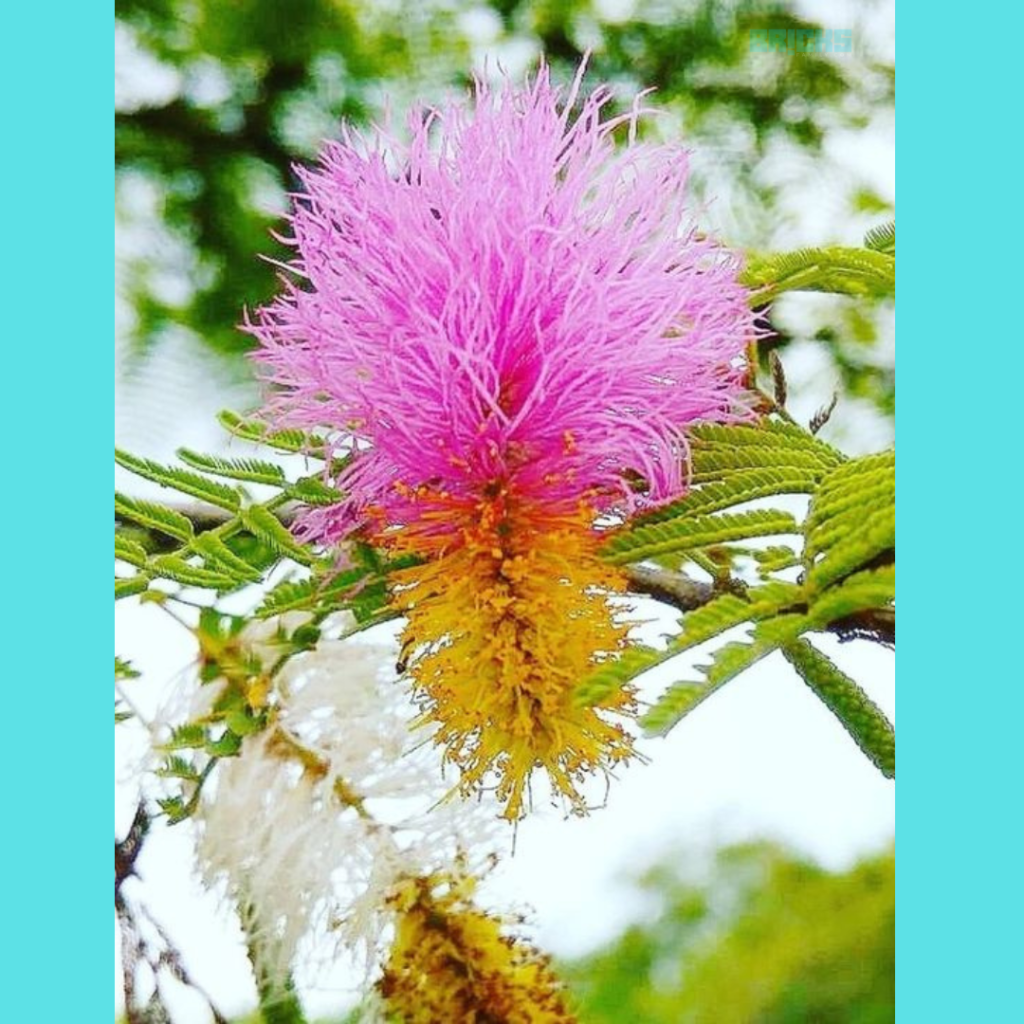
{"points": [[129, 551], [309, 594], [153, 516], [851, 521], [294, 441], [128, 586], [644, 541], [311, 490], [723, 462], [770, 433], [882, 238], [613, 675], [177, 767], [873, 588], [181, 480], [859, 715], [739, 487], [188, 736], [837, 269], [123, 669], [727, 662], [220, 558], [265, 525], [289, 596], [173, 567], [727, 611], [775, 559], [835, 509], [873, 539], [254, 471]]}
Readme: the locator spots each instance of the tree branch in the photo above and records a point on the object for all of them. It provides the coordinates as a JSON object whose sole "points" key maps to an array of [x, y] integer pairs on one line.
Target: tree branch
{"points": [[675, 589], [686, 594], [672, 588]]}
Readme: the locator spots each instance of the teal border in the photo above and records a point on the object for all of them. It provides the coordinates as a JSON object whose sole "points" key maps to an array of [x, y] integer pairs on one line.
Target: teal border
{"points": [[57, 319], [959, 902]]}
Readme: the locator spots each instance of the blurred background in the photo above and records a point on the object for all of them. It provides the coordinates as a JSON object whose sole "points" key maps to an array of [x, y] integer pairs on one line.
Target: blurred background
{"points": [[746, 874]]}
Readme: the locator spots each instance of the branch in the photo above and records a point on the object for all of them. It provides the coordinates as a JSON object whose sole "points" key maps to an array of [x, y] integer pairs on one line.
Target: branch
{"points": [[686, 594], [672, 588]]}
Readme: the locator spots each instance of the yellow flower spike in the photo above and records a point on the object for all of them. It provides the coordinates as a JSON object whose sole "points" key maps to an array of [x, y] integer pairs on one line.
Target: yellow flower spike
{"points": [[507, 623], [450, 962]]}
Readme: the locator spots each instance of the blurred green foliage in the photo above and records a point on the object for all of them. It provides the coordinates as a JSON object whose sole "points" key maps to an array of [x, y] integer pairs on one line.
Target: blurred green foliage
{"points": [[765, 938], [770, 939], [244, 89]]}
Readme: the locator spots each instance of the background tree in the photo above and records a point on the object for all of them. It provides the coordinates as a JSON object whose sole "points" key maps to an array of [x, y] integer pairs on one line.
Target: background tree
{"points": [[217, 101]]}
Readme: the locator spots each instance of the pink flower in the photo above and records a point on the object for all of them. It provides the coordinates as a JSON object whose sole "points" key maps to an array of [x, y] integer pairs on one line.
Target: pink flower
{"points": [[509, 296], [509, 324]]}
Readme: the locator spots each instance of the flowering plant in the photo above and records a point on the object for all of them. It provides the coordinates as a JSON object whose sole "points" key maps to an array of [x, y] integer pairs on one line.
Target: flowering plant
{"points": [[528, 381], [506, 327]]}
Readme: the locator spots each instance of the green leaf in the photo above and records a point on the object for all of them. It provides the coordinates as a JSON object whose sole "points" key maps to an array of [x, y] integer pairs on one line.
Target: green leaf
{"points": [[308, 594], [730, 610], [180, 480], [153, 516], [882, 238], [174, 807], [289, 595], [176, 767], [873, 538], [608, 679], [128, 586], [253, 470], [874, 588], [241, 722], [227, 746], [220, 557], [834, 512], [312, 490], [295, 441], [851, 521], [644, 541], [770, 433], [859, 715], [738, 487], [776, 558], [836, 269], [123, 669], [265, 525], [187, 736], [868, 479], [130, 551], [723, 462], [727, 662], [368, 600], [173, 567]]}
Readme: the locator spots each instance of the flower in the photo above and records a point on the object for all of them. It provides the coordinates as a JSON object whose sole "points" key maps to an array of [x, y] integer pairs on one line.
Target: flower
{"points": [[508, 323], [326, 833], [450, 961], [329, 797]]}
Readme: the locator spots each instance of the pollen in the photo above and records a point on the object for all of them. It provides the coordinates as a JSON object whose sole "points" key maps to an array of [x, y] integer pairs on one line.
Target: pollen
{"points": [[504, 624], [451, 962]]}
